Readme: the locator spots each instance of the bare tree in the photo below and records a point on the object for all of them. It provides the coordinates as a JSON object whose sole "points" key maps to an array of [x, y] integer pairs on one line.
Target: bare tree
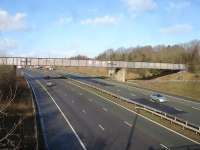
{"points": [[9, 138]]}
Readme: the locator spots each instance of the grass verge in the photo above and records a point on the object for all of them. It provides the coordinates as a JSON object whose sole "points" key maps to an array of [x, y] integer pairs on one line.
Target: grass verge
{"points": [[184, 89], [17, 124]]}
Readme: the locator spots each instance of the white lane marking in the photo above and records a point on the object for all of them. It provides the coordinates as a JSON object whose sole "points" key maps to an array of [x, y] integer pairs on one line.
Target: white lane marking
{"points": [[101, 127], [28, 74], [35, 121], [127, 123], [178, 109], [80, 93], [90, 99], [72, 101], [145, 118], [141, 116], [105, 109], [66, 119], [84, 111], [41, 119], [196, 108], [173, 97], [118, 90], [165, 147], [133, 95]]}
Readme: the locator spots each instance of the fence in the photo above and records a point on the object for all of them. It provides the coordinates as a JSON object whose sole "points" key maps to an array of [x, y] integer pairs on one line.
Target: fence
{"points": [[173, 119], [23, 61]]}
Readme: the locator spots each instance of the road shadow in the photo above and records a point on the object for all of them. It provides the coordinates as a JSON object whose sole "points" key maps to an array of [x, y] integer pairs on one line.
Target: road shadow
{"points": [[94, 80], [159, 106]]}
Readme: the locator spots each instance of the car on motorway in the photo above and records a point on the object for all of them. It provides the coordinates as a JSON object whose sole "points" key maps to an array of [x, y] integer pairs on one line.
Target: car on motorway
{"points": [[47, 77], [50, 84], [157, 97]]}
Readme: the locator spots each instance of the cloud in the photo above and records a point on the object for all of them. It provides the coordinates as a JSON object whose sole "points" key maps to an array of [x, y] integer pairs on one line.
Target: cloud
{"points": [[140, 5], [104, 20], [64, 20], [177, 29], [178, 4], [49, 52], [12, 23], [6, 44]]}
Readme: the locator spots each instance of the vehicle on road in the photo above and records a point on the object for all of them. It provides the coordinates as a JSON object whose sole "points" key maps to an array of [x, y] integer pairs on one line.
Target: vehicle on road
{"points": [[50, 84], [47, 77], [157, 97]]}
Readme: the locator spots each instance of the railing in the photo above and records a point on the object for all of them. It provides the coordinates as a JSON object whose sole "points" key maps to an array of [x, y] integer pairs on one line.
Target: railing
{"points": [[23, 61], [173, 119]]}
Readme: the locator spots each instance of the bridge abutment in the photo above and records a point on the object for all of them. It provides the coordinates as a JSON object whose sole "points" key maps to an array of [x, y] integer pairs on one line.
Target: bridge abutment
{"points": [[118, 74]]}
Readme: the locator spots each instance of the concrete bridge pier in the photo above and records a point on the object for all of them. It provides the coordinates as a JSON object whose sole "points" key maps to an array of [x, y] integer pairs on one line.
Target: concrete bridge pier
{"points": [[118, 74]]}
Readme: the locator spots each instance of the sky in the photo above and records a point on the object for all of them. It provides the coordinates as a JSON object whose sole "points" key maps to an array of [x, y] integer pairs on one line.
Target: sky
{"points": [[64, 28]]}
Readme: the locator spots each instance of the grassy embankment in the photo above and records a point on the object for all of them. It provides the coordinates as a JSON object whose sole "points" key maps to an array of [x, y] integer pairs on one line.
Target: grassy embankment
{"points": [[181, 84], [132, 107], [96, 71], [20, 112]]}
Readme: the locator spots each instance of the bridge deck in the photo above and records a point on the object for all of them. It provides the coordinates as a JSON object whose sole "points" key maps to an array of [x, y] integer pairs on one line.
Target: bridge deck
{"points": [[25, 61]]}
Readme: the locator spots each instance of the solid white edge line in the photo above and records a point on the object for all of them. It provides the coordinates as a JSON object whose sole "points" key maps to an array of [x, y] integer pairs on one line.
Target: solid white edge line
{"points": [[178, 109], [41, 119], [34, 111], [162, 145], [66, 119], [142, 116], [149, 90]]}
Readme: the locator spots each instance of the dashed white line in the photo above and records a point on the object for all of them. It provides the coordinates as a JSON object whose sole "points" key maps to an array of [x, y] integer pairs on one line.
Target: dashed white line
{"points": [[118, 90], [80, 93], [90, 100], [127, 123], [165, 147], [84, 111], [142, 116], [66, 119], [101, 127], [133, 95], [105, 109], [72, 101], [196, 108]]}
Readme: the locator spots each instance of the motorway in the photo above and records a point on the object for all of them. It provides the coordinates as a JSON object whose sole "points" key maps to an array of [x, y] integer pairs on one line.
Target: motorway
{"points": [[176, 106], [74, 119]]}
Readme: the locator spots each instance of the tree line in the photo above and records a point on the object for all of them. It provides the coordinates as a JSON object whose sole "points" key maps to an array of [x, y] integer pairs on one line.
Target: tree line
{"points": [[187, 53]]}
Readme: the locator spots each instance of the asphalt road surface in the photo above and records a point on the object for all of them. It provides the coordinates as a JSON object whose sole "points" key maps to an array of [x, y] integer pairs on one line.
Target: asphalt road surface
{"points": [[76, 119], [176, 106]]}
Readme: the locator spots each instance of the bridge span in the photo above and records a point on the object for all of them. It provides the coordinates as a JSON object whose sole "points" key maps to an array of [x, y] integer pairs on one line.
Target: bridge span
{"points": [[31, 61], [116, 69]]}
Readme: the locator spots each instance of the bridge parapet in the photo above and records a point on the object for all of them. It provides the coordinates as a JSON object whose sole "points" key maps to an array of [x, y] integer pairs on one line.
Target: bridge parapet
{"points": [[31, 61]]}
